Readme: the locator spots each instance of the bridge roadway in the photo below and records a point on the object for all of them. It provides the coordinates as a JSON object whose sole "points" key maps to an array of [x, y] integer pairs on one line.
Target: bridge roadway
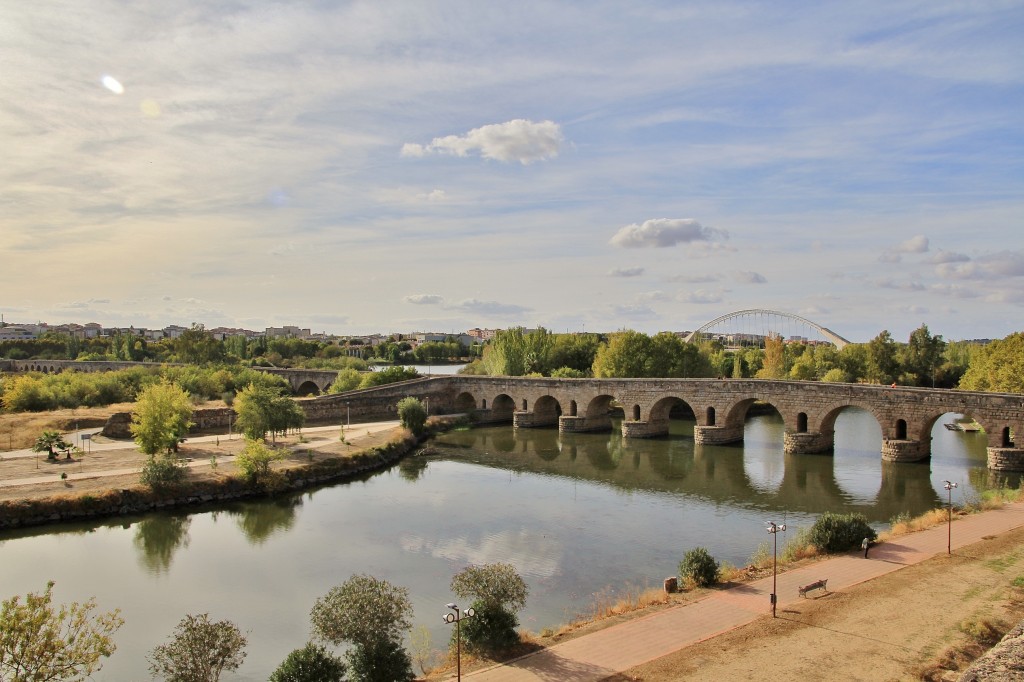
{"points": [[809, 408]]}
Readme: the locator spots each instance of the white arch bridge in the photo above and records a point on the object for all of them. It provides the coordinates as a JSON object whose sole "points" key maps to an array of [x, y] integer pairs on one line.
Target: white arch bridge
{"points": [[747, 327]]}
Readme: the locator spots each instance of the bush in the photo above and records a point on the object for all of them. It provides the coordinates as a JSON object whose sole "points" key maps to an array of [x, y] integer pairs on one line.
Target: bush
{"points": [[311, 663], [412, 414], [833, 533], [491, 630], [699, 567], [161, 471]]}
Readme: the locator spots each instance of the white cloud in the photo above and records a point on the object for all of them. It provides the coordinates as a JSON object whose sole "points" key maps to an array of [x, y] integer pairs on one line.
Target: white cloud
{"points": [[703, 296], [626, 272], [948, 257], [665, 232], [424, 299], [750, 277], [916, 244], [517, 140], [472, 305]]}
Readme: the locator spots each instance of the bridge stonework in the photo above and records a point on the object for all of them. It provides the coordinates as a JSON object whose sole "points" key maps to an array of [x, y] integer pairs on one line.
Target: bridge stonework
{"points": [[809, 409]]}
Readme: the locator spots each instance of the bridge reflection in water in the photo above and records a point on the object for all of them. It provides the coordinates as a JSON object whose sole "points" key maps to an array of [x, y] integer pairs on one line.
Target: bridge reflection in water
{"points": [[755, 474]]}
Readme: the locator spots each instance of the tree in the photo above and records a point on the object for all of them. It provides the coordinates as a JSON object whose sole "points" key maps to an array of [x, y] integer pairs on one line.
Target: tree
{"points": [[516, 352], [49, 442], [372, 615], [774, 366], [197, 346], [162, 417], [311, 663], [498, 593], [254, 462], [412, 414], [348, 379], [997, 366], [624, 355], [699, 567], [199, 651], [922, 356], [40, 643], [576, 351], [388, 375], [262, 408], [882, 365]]}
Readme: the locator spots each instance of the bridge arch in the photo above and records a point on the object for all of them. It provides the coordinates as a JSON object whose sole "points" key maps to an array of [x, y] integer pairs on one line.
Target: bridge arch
{"points": [[308, 387], [830, 335]]}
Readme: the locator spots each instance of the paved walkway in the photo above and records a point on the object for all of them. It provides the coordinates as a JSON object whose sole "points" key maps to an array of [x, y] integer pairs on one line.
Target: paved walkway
{"points": [[620, 647]]}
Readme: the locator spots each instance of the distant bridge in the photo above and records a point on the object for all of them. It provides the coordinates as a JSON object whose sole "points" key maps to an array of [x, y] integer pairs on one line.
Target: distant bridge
{"points": [[761, 323]]}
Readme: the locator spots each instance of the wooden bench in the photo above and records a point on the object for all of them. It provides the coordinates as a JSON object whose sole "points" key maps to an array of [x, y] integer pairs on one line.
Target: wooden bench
{"points": [[816, 585]]}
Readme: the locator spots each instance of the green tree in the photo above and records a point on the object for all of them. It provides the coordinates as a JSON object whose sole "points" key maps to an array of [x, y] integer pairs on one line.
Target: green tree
{"points": [[922, 357], [199, 651], [516, 352], [197, 346], [348, 379], [997, 366], [498, 593], [624, 355], [311, 663], [51, 441], [412, 414], [40, 643], [262, 409], [774, 365], [162, 417], [882, 363], [254, 463], [388, 375], [372, 615]]}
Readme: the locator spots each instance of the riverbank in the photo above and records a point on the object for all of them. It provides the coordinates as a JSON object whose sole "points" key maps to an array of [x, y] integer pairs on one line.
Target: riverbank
{"points": [[105, 481]]}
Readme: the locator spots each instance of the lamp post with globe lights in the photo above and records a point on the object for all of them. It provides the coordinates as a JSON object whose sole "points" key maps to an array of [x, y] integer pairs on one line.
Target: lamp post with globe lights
{"points": [[774, 529], [949, 524], [456, 617]]}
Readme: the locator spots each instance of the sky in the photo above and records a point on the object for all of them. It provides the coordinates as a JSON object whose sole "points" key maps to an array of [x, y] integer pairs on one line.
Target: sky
{"points": [[360, 167]]}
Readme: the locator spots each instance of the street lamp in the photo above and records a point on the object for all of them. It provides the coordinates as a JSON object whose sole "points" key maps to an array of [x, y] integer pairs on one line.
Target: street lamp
{"points": [[348, 415], [774, 530], [456, 617], [949, 525]]}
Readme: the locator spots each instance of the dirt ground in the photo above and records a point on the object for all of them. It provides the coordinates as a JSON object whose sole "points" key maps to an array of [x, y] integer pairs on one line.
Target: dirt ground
{"points": [[907, 625], [312, 445]]}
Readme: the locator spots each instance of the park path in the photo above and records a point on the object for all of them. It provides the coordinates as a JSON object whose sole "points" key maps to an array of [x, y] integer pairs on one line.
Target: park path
{"points": [[620, 647], [355, 430]]}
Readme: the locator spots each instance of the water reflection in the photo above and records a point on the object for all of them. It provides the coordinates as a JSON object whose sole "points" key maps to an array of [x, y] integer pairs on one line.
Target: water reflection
{"points": [[158, 537], [260, 520], [719, 474]]}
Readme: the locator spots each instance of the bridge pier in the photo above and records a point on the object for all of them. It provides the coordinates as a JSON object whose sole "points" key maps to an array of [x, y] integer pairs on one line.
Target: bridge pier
{"points": [[577, 424], [489, 416], [906, 450], [717, 435], [1006, 459], [648, 429], [806, 443], [533, 420]]}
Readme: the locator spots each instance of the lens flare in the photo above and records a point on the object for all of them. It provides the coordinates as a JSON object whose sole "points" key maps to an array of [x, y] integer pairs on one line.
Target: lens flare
{"points": [[112, 84]]}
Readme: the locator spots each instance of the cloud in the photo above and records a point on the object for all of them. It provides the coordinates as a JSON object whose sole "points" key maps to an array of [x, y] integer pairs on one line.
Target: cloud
{"points": [[750, 277], [424, 299], [665, 232], [695, 279], [948, 257], [994, 266], [702, 296], [625, 272], [517, 140], [472, 305], [433, 195], [889, 283], [634, 311], [916, 244]]}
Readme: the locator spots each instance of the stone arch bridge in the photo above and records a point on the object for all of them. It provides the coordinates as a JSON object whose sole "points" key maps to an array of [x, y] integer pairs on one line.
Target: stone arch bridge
{"points": [[809, 409]]}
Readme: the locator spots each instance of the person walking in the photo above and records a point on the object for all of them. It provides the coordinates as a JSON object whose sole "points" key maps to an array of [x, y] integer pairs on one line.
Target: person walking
{"points": [[864, 545]]}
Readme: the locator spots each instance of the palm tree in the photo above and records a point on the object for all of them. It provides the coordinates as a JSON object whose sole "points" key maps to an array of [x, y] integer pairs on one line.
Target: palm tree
{"points": [[51, 441]]}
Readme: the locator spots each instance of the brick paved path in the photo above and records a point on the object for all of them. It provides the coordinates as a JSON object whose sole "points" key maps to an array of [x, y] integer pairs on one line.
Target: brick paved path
{"points": [[620, 647]]}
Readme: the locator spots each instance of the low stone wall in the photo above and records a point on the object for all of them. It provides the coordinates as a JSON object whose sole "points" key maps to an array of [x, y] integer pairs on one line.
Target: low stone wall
{"points": [[1006, 459], [1002, 663]]}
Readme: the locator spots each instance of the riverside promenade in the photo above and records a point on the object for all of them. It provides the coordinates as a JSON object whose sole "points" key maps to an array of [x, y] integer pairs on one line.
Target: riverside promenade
{"points": [[620, 647]]}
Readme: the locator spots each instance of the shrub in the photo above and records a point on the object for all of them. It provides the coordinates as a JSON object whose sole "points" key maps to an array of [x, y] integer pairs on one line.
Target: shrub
{"points": [[254, 462], [311, 663], [412, 414], [161, 471], [699, 567], [833, 533], [491, 629]]}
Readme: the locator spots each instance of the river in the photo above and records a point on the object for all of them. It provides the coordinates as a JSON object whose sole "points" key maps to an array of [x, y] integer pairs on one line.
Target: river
{"points": [[582, 517]]}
